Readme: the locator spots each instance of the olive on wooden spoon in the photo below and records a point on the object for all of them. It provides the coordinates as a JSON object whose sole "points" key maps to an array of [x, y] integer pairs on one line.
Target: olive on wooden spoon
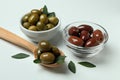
{"points": [[17, 40]]}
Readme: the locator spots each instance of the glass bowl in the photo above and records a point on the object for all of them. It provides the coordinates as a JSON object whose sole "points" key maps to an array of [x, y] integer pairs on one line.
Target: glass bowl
{"points": [[84, 51]]}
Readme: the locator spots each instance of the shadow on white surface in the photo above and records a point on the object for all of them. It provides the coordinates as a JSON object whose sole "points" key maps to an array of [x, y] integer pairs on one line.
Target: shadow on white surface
{"points": [[101, 58], [60, 70], [12, 44]]}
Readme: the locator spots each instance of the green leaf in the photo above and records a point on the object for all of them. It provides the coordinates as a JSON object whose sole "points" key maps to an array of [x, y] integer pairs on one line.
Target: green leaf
{"points": [[20, 56], [45, 10], [72, 67], [60, 59], [37, 61], [52, 14], [87, 64]]}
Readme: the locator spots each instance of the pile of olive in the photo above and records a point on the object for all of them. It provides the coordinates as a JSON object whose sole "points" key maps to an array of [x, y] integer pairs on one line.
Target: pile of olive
{"points": [[48, 53], [85, 36], [39, 20]]}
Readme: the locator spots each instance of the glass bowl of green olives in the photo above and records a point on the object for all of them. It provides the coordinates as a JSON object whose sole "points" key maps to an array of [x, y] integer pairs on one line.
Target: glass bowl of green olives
{"points": [[39, 24], [84, 38]]}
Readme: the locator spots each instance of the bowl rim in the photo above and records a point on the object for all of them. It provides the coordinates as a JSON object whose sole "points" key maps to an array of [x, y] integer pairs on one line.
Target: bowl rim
{"points": [[80, 47], [58, 25]]}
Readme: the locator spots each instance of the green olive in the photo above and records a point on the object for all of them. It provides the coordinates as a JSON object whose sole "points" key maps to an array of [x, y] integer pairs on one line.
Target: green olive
{"points": [[44, 46], [53, 20], [32, 28], [36, 11], [33, 18], [47, 58], [26, 25], [49, 26], [26, 17], [44, 18], [40, 26], [55, 51]]}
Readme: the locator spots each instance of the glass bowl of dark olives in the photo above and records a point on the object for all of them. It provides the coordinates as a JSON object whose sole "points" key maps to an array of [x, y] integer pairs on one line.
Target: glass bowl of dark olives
{"points": [[85, 39], [39, 24]]}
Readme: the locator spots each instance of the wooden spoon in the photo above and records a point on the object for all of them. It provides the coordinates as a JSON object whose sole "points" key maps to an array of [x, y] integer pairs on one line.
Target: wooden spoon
{"points": [[17, 40]]}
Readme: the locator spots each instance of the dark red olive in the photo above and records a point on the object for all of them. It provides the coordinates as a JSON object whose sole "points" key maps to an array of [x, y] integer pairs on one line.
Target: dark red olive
{"points": [[91, 42], [84, 35], [85, 27], [76, 40], [98, 35], [73, 31]]}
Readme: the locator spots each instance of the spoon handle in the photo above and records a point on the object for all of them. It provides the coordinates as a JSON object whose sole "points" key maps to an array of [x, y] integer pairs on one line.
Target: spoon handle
{"points": [[13, 38]]}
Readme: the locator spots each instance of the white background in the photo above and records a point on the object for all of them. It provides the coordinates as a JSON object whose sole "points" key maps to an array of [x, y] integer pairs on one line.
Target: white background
{"points": [[103, 12]]}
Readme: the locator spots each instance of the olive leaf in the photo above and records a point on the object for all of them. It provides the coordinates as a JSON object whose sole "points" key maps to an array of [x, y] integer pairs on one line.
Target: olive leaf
{"points": [[45, 10], [87, 64], [20, 56], [37, 61], [72, 67], [60, 59], [52, 14]]}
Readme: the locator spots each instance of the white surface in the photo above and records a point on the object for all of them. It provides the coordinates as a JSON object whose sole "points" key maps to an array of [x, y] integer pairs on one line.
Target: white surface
{"points": [[103, 12]]}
